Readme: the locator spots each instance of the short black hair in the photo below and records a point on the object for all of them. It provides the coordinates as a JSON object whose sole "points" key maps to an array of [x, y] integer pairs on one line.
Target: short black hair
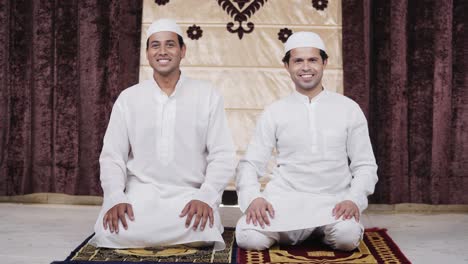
{"points": [[287, 56], [181, 41]]}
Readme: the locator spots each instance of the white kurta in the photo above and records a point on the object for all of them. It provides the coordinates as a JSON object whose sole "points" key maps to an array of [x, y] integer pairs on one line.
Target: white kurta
{"points": [[313, 140], [159, 153]]}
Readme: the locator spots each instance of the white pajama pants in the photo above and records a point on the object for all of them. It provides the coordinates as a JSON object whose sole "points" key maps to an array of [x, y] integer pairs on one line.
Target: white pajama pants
{"points": [[344, 235]]}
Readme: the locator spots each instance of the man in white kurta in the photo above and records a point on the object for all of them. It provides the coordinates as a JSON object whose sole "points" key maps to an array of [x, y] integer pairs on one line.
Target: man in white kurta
{"points": [[167, 156], [325, 163]]}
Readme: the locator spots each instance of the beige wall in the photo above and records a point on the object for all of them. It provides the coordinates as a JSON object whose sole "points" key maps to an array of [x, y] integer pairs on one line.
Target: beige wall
{"points": [[248, 71]]}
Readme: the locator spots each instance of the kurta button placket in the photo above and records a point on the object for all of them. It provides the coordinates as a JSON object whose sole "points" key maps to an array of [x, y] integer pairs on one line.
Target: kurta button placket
{"points": [[166, 112]]}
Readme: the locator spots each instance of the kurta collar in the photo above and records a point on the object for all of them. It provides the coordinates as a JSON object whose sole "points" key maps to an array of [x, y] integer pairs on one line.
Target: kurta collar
{"points": [[161, 93], [305, 99]]}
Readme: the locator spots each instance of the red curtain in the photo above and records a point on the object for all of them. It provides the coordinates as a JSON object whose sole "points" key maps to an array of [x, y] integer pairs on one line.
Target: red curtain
{"points": [[62, 64], [405, 63]]}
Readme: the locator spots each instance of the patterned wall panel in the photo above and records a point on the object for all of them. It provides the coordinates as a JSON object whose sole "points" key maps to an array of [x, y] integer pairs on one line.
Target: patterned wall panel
{"points": [[243, 60]]}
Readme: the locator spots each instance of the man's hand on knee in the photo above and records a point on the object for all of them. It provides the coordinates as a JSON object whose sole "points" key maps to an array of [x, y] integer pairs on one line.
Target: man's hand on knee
{"points": [[257, 212], [347, 209], [202, 212], [115, 214]]}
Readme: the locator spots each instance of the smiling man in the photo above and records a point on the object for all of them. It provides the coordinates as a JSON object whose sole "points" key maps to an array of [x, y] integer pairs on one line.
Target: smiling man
{"points": [[167, 156], [325, 163]]}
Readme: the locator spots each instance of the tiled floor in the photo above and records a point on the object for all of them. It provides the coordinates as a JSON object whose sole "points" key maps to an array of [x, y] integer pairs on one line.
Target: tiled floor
{"points": [[41, 233]]}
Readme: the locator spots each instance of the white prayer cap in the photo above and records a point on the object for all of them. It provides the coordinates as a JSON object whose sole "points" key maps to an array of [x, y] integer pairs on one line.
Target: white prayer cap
{"points": [[163, 24], [304, 39]]}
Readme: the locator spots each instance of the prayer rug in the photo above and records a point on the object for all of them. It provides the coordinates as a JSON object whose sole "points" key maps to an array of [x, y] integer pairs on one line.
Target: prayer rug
{"points": [[376, 247], [87, 254]]}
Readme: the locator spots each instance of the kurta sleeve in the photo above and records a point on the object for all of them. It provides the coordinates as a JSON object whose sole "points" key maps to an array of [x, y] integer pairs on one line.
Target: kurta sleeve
{"points": [[113, 159], [221, 154], [254, 164], [363, 166]]}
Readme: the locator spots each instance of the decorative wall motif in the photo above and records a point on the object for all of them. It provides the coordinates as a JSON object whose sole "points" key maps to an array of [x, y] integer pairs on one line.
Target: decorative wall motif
{"points": [[284, 34], [320, 4], [161, 2], [194, 32], [241, 16]]}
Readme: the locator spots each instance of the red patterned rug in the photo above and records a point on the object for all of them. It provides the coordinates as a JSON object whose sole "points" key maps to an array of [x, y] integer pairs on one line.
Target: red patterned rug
{"points": [[377, 247]]}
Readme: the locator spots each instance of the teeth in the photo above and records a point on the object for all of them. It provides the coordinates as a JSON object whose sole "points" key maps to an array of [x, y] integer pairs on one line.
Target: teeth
{"points": [[163, 61], [306, 76]]}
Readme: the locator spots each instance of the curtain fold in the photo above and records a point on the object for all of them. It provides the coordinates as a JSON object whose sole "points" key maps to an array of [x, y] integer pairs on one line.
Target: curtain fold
{"points": [[62, 64], [413, 88]]}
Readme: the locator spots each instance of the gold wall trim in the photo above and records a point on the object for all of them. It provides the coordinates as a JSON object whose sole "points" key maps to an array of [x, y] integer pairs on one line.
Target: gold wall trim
{"points": [[53, 198]]}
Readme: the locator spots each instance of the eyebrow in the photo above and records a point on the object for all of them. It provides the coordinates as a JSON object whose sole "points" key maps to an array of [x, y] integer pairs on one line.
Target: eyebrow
{"points": [[158, 41], [302, 58]]}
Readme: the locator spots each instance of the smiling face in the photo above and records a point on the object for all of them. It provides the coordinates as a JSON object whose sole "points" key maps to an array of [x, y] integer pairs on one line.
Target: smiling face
{"points": [[164, 53], [306, 68]]}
